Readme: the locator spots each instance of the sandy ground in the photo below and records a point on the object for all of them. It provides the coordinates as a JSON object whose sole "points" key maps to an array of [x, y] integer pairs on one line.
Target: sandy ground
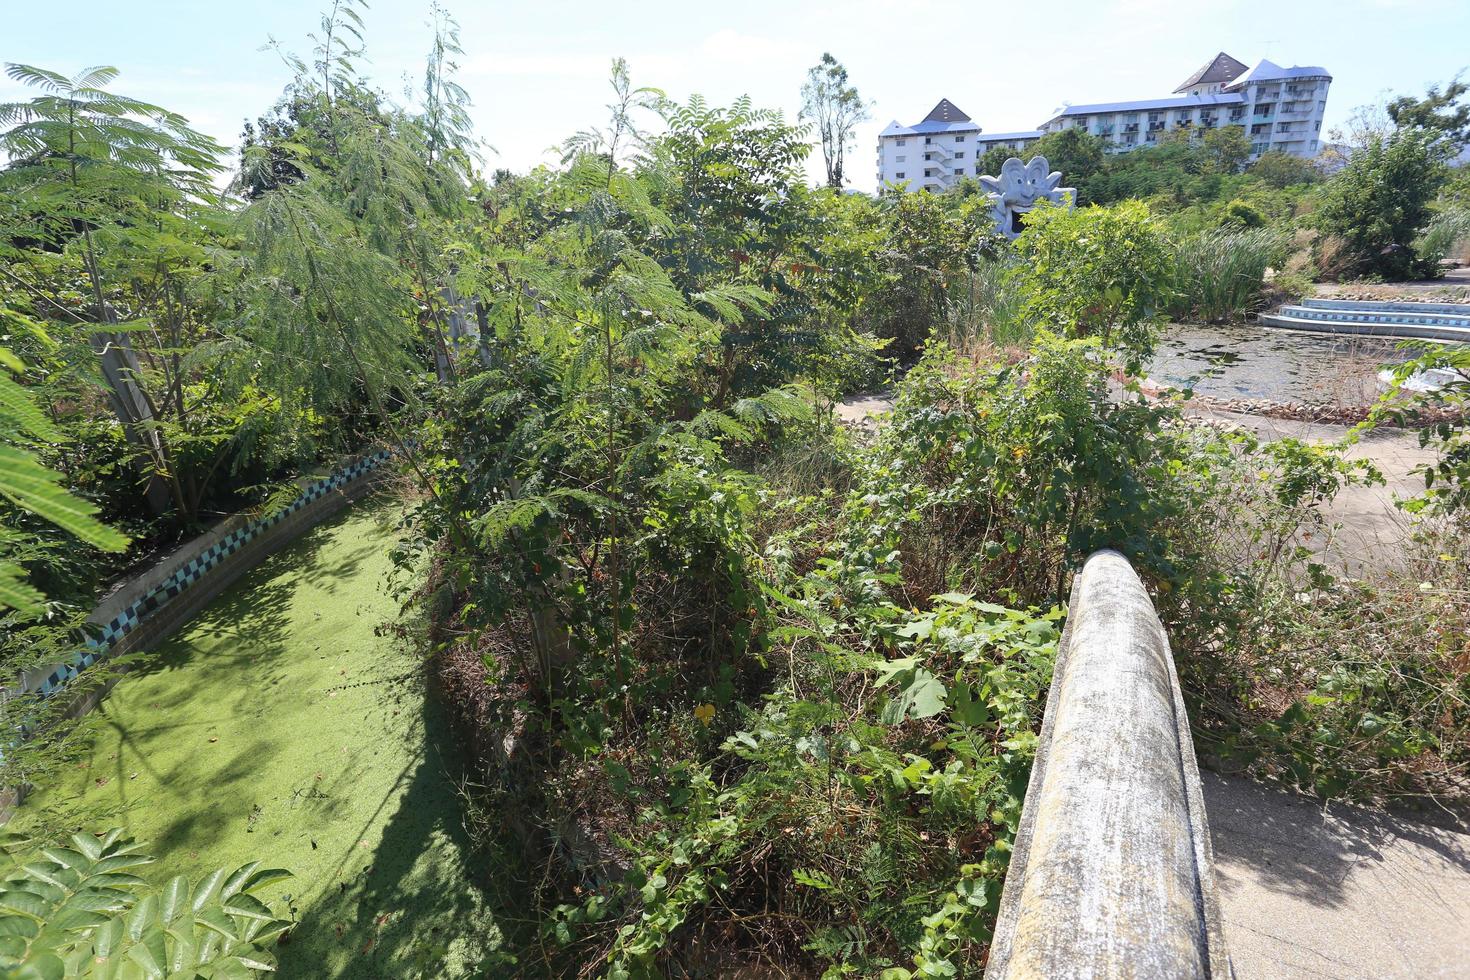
{"points": [[1370, 529]]}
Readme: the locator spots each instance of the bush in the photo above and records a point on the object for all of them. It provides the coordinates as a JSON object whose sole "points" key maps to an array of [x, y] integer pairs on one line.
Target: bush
{"points": [[1095, 271], [1378, 204]]}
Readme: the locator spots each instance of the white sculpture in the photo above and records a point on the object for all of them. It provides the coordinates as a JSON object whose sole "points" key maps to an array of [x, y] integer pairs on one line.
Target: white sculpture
{"points": [[1018, 188]]}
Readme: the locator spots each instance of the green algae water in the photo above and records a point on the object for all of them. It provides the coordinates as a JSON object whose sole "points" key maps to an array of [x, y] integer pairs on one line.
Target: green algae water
{"points": [[280, 727]]}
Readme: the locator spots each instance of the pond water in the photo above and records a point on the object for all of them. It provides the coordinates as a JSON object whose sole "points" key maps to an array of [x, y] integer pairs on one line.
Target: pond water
{"points": [[1248, 361]]}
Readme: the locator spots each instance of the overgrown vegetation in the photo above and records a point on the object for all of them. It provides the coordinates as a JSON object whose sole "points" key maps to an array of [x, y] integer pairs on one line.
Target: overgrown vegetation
{"points": [[738, 686]]}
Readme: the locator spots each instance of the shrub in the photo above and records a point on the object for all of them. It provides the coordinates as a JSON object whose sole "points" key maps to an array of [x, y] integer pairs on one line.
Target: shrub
{"points": [[1011, 474], [1096, 271], [1380, 202]]}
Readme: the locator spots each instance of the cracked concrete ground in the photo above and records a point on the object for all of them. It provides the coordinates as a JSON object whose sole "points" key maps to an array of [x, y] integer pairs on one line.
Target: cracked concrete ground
{"points": [[1342, 892]]}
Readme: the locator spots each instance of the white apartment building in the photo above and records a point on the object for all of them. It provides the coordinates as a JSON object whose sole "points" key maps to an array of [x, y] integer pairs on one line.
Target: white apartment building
{"points": [[1280, 109], [934, 154]]}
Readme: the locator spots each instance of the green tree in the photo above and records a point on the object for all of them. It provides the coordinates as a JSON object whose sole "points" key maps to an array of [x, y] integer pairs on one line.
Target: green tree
{"points": [[1378, 204], [990, 162], [1096, 271], [1443, 111], [109, 189], [1075, 152], [830, 101], [1281, 170], [1227, 149]]}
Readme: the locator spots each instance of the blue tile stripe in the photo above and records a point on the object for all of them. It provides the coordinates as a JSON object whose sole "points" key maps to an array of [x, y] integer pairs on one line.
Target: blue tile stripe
{"points": [[193, 570]]}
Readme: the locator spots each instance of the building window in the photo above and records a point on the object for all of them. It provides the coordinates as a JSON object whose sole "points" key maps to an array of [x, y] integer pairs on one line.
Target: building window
{"points": [[959, 171], [899, 176], [959, 139], [960, 155], [900, 158], [899, 142], [928, 140]]}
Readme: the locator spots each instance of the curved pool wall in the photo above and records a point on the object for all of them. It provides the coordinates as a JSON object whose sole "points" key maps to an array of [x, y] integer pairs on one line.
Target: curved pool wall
{"points": [[154, 604]]}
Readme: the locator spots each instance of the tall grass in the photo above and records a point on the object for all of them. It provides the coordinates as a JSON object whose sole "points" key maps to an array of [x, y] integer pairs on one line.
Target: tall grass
{"points": [[1220, 275], [986, 308], [1448, 236]]}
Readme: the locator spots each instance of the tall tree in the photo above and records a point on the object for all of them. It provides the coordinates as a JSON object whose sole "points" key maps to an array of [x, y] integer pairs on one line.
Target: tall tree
{"points": [[1379, 203], [830, 101], [1443, 111], [103, 180]]}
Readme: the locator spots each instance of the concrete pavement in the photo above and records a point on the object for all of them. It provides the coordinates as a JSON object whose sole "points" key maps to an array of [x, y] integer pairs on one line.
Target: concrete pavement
{"points": [[1345, 891]]}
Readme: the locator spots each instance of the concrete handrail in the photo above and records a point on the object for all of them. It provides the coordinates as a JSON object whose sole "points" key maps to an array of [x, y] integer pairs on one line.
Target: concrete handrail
{"points": [[1112, 873]]}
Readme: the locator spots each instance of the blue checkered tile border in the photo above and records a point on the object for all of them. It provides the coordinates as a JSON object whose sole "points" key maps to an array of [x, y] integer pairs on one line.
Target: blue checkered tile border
{"points": [[192, 570]]}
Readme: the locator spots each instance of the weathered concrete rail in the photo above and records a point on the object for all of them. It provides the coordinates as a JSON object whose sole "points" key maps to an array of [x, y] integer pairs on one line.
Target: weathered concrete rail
{"points": [[1112, 873]]}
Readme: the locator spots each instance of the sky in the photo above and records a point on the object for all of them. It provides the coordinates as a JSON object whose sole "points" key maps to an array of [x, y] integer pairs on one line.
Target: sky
{"points": [[537, 71]]}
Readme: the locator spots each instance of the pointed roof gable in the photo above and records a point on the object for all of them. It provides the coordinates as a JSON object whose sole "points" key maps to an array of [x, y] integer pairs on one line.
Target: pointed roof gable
{"points": [[947, 112], [1221, 68]]}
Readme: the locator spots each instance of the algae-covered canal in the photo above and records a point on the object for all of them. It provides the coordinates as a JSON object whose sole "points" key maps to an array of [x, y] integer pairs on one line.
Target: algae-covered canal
{"points": [[279, 726]]}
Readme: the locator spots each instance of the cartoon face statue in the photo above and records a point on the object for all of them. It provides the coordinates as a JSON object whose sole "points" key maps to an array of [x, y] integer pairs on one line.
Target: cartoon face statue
{"points": [[1018, 188]]}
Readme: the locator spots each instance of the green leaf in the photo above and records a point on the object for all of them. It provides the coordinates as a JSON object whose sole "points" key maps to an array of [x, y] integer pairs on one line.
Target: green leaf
{"points": [[813, 879], [41, 965], [34, 488], [25, 903], [16, 594], [248, 906], [175, 897], [17, 409], [264, 878]]}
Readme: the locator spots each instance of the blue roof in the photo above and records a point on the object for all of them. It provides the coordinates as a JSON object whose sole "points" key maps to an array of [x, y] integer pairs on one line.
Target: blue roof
{"points": [[1268, 71], [1174, 102], [1030, 134], [919, 129]]}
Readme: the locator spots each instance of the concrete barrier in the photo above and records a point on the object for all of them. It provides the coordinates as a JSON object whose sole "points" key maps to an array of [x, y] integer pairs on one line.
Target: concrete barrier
{"points": [[1112, 873]]}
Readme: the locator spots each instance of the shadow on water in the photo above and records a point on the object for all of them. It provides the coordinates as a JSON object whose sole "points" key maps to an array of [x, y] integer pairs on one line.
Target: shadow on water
{"points": [[404, 910]]}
